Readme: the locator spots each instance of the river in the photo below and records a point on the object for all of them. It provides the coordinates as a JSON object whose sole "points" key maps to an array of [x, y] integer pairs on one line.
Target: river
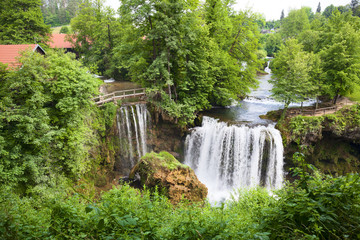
{"points": [[234, 148]]}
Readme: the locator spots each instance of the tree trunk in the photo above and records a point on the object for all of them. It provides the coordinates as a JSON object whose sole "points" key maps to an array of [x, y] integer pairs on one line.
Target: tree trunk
{"points": [[153, 41], [283, 114], [336, 96], [168, 62], [109, 36], [175, 93], [232, 46]]}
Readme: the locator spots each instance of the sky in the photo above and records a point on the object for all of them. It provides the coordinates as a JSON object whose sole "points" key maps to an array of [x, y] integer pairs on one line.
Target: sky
{"points": [[271, 9]]}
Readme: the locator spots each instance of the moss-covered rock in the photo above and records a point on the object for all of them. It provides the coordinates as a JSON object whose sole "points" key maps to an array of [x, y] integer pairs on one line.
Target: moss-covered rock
{"points": [[175, 180]]}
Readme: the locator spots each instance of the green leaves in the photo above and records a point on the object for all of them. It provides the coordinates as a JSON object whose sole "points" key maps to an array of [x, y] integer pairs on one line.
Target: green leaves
{"points": [[42, 122], [22, 22]]}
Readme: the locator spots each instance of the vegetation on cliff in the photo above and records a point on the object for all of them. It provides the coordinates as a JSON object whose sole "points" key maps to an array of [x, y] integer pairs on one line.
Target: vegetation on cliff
{"points": [[304, 130]]}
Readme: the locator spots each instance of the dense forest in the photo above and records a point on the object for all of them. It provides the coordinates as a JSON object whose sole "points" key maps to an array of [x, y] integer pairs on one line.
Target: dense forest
{"points": [[190, 55]]}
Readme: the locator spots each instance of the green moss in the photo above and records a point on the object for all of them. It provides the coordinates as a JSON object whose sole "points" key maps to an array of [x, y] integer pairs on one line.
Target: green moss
{"points": [[163, 159]]}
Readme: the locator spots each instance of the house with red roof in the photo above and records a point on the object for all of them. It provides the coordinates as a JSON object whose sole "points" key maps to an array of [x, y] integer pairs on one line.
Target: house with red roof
{"points": [[60, 41], [9, 54]]}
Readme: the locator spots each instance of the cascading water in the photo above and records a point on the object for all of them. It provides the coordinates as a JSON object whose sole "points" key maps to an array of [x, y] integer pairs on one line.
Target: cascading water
{"points": [[267, 69], [132, 122], [246, 154], [227, 157]]}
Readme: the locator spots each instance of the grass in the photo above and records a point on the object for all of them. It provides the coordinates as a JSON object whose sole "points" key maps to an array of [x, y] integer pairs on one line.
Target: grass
{"points": [[56, 30], [355, 96]]}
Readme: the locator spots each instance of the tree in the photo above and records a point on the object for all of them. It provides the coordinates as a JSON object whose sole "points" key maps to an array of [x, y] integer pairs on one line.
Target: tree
{"points": [[355, 7], [318, 9], [59, 12], [64, 30], [189, 57], [44, 106], [292, 81], [22, 22], [340, 53], [295, 23], [354, 4], [329, 10], [282, 16], [95, 31], [237, 37]]}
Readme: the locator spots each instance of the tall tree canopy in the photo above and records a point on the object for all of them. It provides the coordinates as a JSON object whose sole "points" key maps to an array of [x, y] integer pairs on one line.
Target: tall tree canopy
{"points": [[296, 22], [170, 47], [21, 21], [292, 80], [341, 53], [95, 33], [43, 132]]}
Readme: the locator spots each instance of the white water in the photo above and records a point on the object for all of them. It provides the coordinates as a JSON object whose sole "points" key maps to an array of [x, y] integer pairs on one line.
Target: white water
{"points": [[267, 69], [249, 153], [229, 157], [132, 127]]}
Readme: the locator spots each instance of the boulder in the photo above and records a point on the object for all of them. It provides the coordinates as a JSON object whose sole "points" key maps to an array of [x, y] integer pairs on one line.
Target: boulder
{"points": [[177, 181]]}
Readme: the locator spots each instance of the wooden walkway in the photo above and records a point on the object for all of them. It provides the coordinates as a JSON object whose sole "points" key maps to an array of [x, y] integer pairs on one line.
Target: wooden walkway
{"points": [[322, 111], [118, 95]]}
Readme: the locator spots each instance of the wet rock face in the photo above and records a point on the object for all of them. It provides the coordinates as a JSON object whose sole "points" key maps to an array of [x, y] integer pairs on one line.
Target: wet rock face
{"points": [[175, 180]]}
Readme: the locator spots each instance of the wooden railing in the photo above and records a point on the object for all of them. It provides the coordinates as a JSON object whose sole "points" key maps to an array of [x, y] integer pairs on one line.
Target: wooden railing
{"points": [[323, 111], [138, 92]]}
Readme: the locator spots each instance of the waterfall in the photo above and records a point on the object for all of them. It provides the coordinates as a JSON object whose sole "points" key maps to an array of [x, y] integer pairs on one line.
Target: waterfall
{"points": [[132, 123], [267, 69], [227, 157]]}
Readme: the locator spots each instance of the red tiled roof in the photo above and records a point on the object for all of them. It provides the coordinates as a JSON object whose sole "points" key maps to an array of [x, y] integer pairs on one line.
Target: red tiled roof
{"points": [[59, 41], [9, 53]]}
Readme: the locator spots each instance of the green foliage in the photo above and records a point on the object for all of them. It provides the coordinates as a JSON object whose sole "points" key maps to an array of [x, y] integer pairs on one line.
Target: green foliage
{"points": [[45, 119], [302, 126], [315, 207], [22, 22], [296, 22], [293, 69], [273, 43], [59, 12], [197, 57], [340, 53], [65, 30], [95, 32], [109, 114], [355, 95], [347, 119]]}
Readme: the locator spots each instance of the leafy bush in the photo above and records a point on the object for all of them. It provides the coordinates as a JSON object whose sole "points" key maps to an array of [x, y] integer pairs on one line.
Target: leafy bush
{"points": [[65, 30], [316, 207], [313, 207], [45, 121]]}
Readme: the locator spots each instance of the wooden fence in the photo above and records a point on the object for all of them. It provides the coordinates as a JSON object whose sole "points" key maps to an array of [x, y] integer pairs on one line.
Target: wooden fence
{"points": [[322, 111], [117, 95]]}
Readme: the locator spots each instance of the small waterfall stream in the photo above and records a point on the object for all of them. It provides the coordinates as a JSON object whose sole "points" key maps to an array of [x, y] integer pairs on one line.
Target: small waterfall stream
{"points": [[132, 123]]}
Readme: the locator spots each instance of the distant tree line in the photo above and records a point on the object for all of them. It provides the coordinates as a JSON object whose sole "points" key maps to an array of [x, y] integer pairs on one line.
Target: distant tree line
{"points": [[59, 12]]}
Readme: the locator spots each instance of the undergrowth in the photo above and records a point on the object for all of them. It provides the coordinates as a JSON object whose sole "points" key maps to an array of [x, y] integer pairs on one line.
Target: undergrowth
{"points": [[313, 207]]}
